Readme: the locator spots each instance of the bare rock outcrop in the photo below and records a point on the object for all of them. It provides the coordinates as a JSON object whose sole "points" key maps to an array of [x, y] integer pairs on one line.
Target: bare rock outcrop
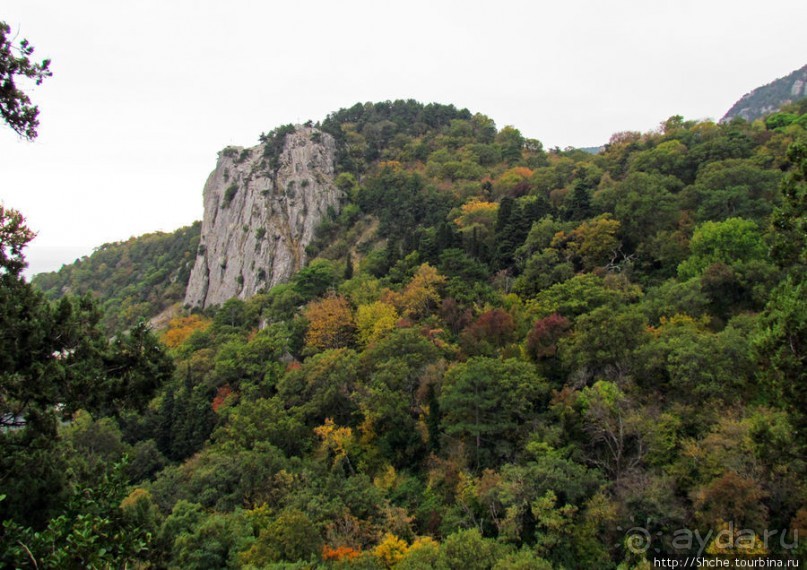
{"points": [[261, 207]]}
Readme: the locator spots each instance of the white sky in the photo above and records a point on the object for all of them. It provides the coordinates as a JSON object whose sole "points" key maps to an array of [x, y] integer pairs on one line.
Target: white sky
{"points": [[146, 92]]}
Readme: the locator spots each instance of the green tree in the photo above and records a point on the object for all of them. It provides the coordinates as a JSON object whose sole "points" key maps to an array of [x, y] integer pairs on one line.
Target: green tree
{"points": [[695, 363], [644, 203], [524, 559], [214, 543], [253, 366], [668, 158], [184, 417], [789, 221], [593, 243], [91, 532], [511, 142], [93, 445], [136, 367], [731, 242], [54, 360], [577, 205], [541, 271], [583, 293], [468, 550], [16, 108], [733, 188], [291, 536], [183, 517], [485, 402], [781, 342], [348, 274], [315, 279], [323, 386], [512, 227], [263, 420], [603, 341], [14, 236], [390, 413]]}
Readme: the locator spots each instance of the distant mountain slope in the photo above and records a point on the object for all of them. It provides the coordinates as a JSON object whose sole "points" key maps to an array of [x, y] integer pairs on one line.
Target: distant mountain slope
{"points": [[769, 98], [133, 279]]}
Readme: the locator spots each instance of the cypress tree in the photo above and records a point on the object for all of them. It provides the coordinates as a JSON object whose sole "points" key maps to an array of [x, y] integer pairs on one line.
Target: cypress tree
{"points": [[348, 267]]}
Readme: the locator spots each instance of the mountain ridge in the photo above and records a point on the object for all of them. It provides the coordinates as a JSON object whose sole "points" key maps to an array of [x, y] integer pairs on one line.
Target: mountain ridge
{"points": [[350, 161], [770, 97]]}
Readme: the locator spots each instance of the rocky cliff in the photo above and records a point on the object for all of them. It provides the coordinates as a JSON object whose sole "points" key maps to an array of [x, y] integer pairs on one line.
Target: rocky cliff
{"points": [[261, 207], [769, 98]]}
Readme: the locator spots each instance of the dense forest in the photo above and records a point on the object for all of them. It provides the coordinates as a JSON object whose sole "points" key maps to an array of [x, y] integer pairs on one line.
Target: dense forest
{"points": [[500, 357]]}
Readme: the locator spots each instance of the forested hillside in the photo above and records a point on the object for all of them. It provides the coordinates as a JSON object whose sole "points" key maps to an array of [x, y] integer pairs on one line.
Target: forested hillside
{"points": [[500, 357], [130, 280]]}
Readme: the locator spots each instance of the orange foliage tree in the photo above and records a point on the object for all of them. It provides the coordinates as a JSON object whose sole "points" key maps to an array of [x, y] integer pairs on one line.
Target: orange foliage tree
{"points": [[339, 553], [181, 328], [330, 323]]}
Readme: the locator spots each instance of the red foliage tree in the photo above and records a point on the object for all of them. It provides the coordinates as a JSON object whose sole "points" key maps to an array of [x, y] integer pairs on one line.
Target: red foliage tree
{"points": [[492, 329], [542, 341]]}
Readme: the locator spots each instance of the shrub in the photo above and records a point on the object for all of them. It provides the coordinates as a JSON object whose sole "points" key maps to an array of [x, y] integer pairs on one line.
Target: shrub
{"points": [[229, 194]]}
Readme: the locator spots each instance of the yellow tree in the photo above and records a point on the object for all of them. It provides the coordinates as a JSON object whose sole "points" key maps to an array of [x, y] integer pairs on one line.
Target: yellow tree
{"points": [[476, 221], [421, 295], [390, 550], [476, 212], [336, 443], [374, 321]]}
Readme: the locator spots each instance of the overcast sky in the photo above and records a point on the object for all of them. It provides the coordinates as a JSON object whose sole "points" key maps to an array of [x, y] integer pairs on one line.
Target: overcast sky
{"points": [[145, 93]]}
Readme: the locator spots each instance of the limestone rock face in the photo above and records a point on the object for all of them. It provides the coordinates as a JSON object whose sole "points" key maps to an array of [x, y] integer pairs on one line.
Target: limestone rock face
{"points": [[260, 213], [769, 98]]}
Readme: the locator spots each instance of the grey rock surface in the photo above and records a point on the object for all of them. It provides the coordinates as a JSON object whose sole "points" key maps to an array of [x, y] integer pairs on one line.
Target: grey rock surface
{"points": [[260, 214], [769, 98]]}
